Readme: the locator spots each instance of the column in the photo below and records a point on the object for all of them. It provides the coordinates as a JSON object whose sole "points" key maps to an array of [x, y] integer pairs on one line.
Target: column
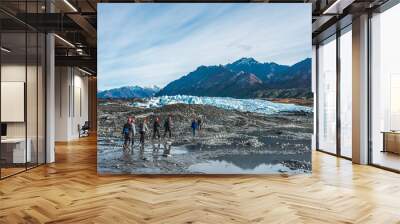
{"points": [[360, 90]]}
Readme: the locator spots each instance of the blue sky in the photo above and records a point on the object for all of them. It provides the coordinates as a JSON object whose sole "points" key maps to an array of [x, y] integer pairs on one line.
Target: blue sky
{"points": [[153, 44]]}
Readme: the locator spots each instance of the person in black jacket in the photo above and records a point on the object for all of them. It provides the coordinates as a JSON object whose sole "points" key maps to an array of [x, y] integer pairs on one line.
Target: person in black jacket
{"points": [[127, 133], [133, 132], [156, 128], [199, 123], [168, 126]]}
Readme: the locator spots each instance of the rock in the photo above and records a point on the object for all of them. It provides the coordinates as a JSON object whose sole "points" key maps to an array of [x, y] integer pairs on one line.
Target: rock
{"points": [[225, 132]]}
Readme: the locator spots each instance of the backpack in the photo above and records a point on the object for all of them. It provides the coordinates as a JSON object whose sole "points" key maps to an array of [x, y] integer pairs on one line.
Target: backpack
{"points": [[125, 131], [194, 125], [166, 124], [141, 128]]}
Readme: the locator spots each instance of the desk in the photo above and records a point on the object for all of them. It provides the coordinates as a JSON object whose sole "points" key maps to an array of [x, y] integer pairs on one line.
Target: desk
{"points": [[391, 141], [13, 150]]}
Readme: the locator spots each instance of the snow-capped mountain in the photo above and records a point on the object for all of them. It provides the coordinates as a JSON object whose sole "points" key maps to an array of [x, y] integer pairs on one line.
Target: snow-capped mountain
{"points": [[127, 92], [246, 61], [245, 78]]}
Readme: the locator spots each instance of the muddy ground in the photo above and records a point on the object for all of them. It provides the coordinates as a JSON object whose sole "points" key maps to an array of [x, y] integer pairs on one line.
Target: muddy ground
{"points": [[230, 141]]}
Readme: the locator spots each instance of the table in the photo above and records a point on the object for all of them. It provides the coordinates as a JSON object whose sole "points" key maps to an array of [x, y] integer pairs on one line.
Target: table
{"points": [[13, 150], [391, 141]]}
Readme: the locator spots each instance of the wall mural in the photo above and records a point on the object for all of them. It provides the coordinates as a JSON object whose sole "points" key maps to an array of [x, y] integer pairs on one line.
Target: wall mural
{"points": [[204, 88]]}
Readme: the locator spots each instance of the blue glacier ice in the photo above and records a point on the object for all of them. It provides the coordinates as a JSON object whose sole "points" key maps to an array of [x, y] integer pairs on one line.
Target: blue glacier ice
{"points": [[245, 105]]}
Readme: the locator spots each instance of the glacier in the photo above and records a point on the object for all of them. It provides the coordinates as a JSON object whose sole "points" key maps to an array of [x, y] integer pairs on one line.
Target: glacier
{"points": [[245, 105]]}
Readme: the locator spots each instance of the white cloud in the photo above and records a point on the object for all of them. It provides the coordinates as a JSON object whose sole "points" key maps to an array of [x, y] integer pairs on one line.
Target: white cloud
{"points": [[146, 48]]}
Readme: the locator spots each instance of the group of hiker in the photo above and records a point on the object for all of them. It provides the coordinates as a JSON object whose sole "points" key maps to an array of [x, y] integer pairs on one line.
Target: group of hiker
{"points": [[129, 130], [196, 125]]}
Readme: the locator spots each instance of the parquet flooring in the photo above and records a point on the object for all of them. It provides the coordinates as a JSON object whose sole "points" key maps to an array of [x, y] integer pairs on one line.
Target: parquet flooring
{"points": [[70, 191]]}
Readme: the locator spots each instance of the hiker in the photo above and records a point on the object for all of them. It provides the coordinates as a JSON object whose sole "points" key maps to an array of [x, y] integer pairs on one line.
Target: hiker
{"points": [[194, 127], [156, 128], [126, 132], [133, 133], [142, 130], [168, 126], [199, 123]]}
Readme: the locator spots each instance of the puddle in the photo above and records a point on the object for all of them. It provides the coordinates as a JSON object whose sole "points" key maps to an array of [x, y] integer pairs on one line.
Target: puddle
{"points": [[224, 167], [253, 160], [181, 159], [249, 164]]}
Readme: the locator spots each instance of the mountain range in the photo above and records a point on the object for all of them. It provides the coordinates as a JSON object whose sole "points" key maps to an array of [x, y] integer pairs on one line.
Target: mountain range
{"points": [[245, 78], [128, 92]]}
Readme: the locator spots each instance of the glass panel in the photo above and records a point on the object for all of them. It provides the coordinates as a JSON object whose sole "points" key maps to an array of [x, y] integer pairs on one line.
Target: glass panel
{"points": [[313, 84], [41, 90], [346, 94], [41, 99], [23, 85], [32, 89], [13, 87], [31, 98], [385, 84], [327, 96]]}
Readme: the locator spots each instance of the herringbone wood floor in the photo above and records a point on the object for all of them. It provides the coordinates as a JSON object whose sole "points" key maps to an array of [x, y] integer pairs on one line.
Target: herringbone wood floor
{"points": [[70, 191]]}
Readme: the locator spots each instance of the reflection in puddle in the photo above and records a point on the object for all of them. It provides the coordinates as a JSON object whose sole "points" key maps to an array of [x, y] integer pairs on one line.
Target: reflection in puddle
{"points": [[165, 158], [252, 160], [224, 167], [107, 153]]}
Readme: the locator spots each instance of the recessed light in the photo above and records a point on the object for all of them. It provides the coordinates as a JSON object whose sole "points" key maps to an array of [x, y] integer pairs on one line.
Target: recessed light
{"points": [[337, 7], [70, 5], [64, 40], [5, 50], [84, 71]]}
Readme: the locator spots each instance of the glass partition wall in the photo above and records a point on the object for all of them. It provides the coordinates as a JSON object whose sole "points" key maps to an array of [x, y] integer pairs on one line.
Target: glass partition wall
{"points": [[345, 108], [327, 95], [13, 88], [385, 89], [334, 89], [22, 78], [334, 105]]}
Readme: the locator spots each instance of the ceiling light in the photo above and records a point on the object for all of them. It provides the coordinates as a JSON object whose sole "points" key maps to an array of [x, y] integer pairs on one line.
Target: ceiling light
{"points": [[79, 51], [65, 41], [70, 5], [5, 50], [338, 6], [84, 71]]}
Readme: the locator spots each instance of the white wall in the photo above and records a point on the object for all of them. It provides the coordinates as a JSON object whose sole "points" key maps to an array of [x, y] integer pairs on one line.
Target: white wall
{"points": [[62, 82], [80, 112], [71, 102], [33, 126], [17, 73], [12, 73]]}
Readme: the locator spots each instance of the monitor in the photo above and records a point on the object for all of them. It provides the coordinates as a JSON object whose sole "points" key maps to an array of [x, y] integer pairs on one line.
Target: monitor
{"points": [[3, 129]]}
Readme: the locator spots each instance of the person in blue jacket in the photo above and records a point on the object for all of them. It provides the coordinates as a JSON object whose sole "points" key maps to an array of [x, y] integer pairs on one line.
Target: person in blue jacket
{"points": [[194, 127]]}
